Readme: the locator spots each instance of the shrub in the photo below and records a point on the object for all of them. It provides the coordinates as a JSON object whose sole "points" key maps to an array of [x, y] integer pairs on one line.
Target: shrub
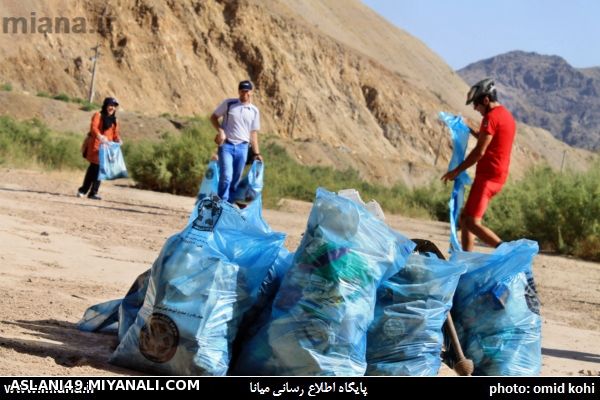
{"points": [[87, 106], [176, 164], [61, 97], [560, 211], [6, 87], [31, 142]]}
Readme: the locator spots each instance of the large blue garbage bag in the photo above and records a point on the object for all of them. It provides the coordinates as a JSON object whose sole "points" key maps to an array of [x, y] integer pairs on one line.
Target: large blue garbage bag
{"points": [[496, 310], [406, 336], [459, 131], [118, 315], [325, 303], [204, 280], [112, 163]]}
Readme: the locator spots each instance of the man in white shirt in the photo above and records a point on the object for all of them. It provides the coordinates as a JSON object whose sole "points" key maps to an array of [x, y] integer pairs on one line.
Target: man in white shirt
{"points": [[239, 127]]}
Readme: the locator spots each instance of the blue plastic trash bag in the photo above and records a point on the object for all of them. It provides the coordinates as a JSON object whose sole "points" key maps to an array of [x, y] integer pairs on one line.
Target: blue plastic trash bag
{"points": [[202, 283], [406, 336], [210, 181], [251, 186], [459, 132], [112, 164], [116, 316], [260, 312], [496, 310], [249, 190], [101, 317], [325, 304]]}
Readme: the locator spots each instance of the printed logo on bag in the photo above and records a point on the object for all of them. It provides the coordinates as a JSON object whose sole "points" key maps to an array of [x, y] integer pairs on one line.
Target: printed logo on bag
{"points": [[209, 212], [159, 338], [209, 173]]}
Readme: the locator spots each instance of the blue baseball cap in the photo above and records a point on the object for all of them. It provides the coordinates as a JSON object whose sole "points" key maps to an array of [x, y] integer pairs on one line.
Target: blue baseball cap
{"points": [[245, 85]]}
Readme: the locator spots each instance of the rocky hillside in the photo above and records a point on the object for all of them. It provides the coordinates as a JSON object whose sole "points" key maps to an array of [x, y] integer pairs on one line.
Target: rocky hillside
{"points": [[336, 83], [546, 91]]}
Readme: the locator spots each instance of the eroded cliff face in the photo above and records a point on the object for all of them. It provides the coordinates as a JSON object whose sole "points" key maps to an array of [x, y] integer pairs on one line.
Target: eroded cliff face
{"points": [[335, 83]]}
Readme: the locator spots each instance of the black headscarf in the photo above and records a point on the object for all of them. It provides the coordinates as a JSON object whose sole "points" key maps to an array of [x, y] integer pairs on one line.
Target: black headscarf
{"points": [[108, 120]]}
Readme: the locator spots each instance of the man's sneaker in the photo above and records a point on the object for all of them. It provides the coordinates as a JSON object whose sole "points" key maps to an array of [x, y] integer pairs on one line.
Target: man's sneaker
{"points": [[79, 194], [94, 197]]}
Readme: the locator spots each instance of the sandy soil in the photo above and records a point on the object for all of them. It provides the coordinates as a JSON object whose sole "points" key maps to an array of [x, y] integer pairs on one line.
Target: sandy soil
{"points": [[60, 254]]}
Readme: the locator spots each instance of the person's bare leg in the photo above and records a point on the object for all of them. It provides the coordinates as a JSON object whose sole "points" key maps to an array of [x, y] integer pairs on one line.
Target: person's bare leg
{"points": [[467, 237], [484, 233]]}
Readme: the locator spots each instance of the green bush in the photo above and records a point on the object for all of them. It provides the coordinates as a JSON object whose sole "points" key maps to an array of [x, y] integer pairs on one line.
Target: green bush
{"points": [[175, 164], [560, 211], [87, 106], [62, 97], [6, 87], [31, 142]]}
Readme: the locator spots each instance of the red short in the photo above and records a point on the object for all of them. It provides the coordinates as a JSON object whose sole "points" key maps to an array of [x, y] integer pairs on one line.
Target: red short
{"points": [[482, 191]]}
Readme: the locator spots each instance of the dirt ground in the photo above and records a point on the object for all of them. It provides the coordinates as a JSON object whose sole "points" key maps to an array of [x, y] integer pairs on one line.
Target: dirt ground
{"points": [[60, 254]]}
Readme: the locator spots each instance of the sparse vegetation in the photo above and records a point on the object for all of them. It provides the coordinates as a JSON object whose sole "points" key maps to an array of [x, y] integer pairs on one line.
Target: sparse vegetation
{"points": [[29, 143], [560, 211], [6, 87], [62, 97], [85, 105]]}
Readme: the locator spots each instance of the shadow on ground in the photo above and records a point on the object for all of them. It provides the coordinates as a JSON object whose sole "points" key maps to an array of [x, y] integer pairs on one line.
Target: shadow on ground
{"points": [[67, 345]]}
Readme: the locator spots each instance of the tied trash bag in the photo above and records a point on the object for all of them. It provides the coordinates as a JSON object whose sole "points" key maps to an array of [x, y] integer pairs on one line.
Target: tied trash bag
{"points": [[406, 336], [459, 132], [325, 303], [112, 164], [496, 310], [200, 286]]}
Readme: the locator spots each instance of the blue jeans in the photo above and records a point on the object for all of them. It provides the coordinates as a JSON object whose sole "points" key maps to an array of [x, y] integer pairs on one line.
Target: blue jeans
{"points": [[232, 160]]}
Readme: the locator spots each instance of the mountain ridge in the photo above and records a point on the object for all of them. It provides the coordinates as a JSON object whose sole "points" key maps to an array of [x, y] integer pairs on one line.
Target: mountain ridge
{"points": [[546, 91]]}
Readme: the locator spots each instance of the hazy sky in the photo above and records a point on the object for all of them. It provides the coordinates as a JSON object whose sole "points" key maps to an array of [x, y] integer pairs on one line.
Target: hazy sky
{"points": [[465, 31]]}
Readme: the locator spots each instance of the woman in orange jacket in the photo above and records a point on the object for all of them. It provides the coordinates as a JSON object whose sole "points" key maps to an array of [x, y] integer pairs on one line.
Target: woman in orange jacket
{"points": [[104, 128]]}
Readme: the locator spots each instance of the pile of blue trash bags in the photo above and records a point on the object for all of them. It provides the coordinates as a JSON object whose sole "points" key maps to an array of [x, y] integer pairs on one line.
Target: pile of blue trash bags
{"points": [[225, 297]]}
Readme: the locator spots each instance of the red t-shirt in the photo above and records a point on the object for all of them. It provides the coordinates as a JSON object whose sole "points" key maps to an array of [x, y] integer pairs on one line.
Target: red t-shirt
{"points": [[494, 164]]}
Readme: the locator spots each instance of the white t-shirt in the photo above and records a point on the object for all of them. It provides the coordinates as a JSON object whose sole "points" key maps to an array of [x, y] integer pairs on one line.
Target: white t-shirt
{"points": [[241, 120]]}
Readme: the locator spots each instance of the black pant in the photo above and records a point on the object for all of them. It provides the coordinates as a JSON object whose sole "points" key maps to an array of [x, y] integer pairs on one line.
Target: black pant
{"points": [[91, 180]]}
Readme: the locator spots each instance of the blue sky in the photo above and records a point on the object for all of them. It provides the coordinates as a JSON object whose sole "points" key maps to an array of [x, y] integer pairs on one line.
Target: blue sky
{"points": [[465, 31]]}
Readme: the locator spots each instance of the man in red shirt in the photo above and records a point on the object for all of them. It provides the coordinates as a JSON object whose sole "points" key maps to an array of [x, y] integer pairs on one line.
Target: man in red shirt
{"points": [[492, 155]]}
